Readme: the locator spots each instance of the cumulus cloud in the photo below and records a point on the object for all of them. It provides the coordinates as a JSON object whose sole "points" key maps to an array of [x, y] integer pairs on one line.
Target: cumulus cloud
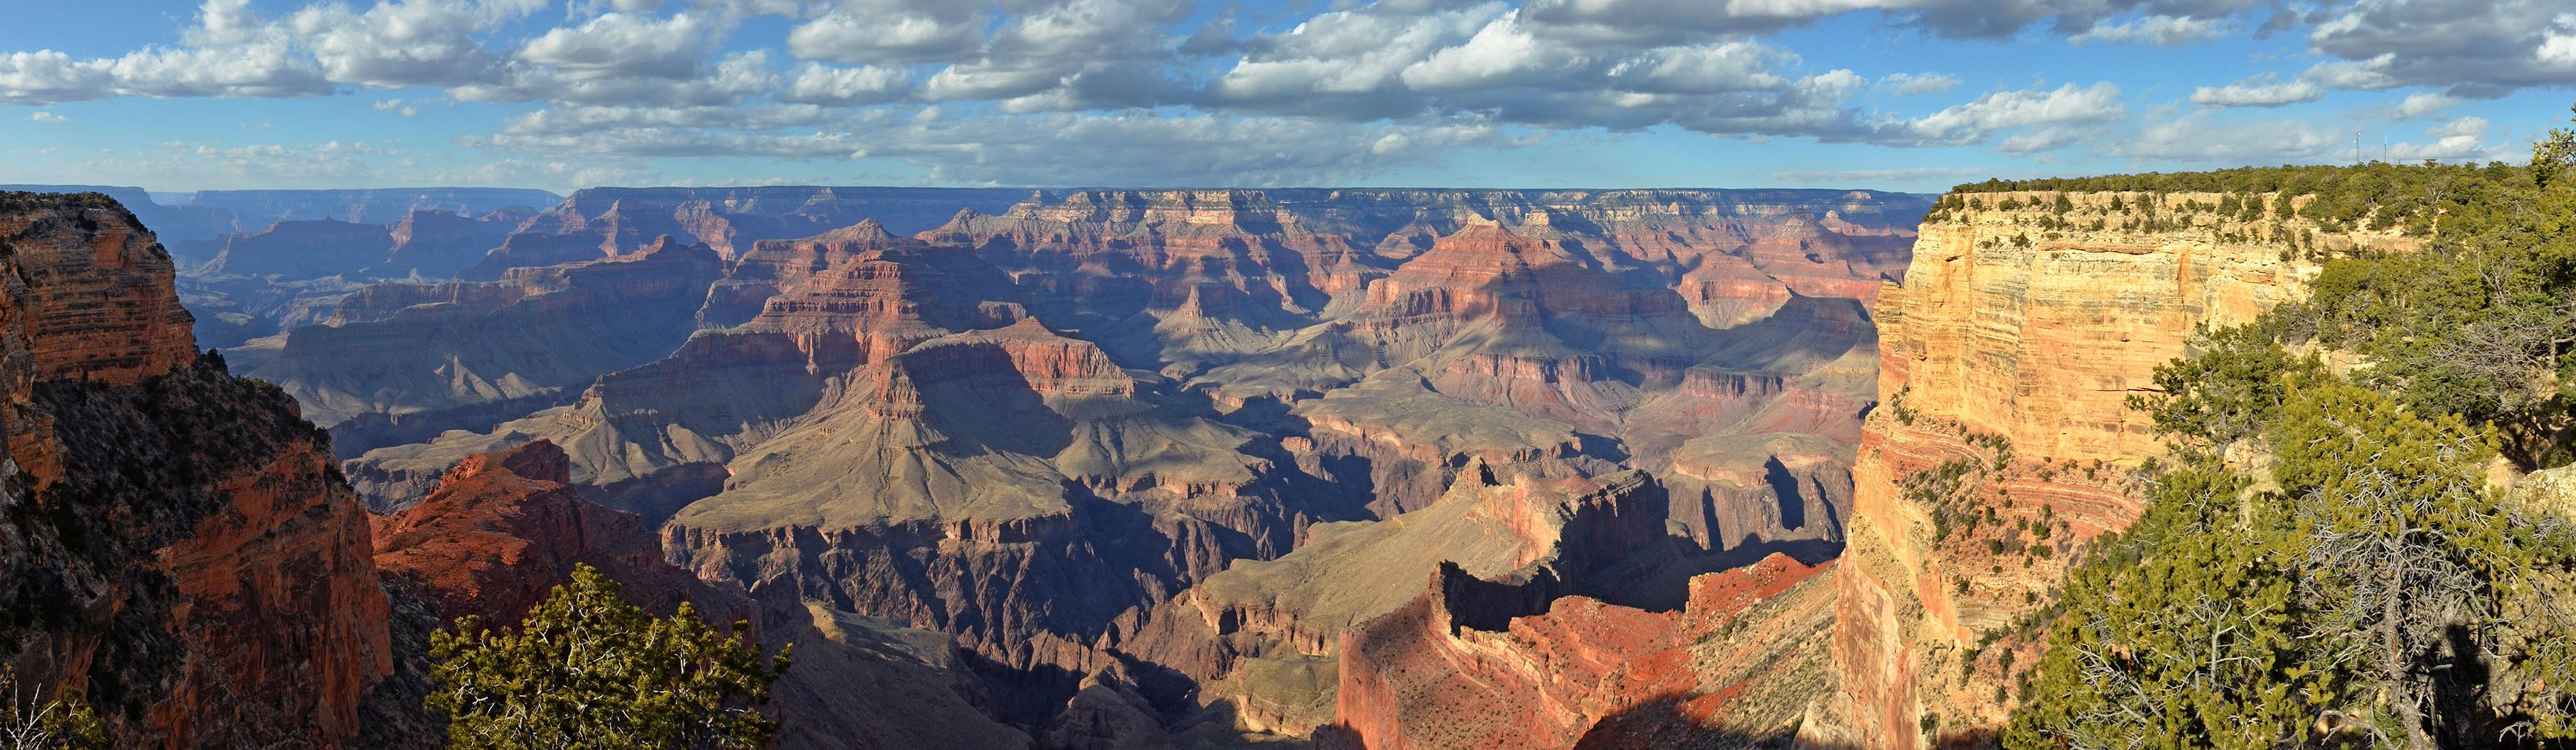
{"points": [[2204, 139], [48, 117], [619, 45], [862, 32], [916, 80], [2471, 48], [2421, 103], [1917, 84], [2160, 30], [407, 43], [2260, 91], [2464, 139], [2065, 108], [822, 84]]}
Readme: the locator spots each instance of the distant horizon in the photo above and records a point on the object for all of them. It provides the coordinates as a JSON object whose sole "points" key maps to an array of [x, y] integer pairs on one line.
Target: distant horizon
{"points": [[561, 194], [1902, 95]]}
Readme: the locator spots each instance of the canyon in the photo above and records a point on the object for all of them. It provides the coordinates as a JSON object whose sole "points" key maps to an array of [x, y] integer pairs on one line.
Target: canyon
{"points": [[1114, 468], [1122, 450]]}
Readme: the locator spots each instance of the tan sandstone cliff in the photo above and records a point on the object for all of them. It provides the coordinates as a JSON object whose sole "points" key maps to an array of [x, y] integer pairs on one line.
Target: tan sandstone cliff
{"points": [[2002, 443]]}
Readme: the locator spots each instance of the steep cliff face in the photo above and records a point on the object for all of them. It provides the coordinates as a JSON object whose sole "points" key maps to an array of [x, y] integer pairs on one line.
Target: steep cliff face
{"points": [[2003, 443], [1266, 636], [180, 548], [1455, 668]]}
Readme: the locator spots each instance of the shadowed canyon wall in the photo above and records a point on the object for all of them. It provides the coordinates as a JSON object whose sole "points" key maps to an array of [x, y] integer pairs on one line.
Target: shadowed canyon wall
{"points": [[180, 549]]}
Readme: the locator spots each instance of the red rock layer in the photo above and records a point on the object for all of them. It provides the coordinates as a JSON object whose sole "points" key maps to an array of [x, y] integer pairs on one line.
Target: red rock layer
{"points": [[1573, 675], [503, 528], [192, 563], [97, 292]]}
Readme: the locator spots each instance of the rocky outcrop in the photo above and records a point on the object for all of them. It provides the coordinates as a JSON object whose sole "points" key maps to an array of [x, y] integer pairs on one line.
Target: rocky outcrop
{"points": [[1264, 637], [2003, 442], [180, 550], [503, 528], [1735, 666]]}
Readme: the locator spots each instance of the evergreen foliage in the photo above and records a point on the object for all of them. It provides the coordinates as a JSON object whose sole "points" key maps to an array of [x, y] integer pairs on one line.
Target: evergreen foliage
{"points": [[2361, 584], [588, 670], [64, 722]]}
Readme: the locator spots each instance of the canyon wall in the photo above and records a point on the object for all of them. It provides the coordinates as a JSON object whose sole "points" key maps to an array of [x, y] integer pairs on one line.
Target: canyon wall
{"points": [[180, 550], [2003, 444], [1067, 432]]}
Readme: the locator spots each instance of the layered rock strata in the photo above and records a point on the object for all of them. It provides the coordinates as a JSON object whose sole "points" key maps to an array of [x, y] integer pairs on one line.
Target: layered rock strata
{"points": [[180, 551], [2003, 443]]}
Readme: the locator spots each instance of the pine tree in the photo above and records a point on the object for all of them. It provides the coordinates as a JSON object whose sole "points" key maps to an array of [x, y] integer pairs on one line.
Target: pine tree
{"points": [[586, 669]]}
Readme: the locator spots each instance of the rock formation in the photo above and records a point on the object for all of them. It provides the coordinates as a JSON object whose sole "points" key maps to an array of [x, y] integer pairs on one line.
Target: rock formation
{"points": [[1047, 429], [503, 528], [2003, 443], [180, 549], [1464, 665]]}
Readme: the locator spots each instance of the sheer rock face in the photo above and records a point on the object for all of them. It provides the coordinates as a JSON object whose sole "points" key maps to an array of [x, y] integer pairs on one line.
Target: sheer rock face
{"points": [[187, 558], [1266, 635], [505, 527], [2003, 329], [1740, 659], [97, 292]]}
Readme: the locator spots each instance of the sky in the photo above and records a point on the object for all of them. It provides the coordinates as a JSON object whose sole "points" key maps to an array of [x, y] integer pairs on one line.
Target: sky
{"points": [[1891, 94]]}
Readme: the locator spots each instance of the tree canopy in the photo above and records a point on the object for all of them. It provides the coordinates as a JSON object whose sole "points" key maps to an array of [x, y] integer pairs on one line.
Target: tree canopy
{"points": [[586, 669], [2358, 580]]}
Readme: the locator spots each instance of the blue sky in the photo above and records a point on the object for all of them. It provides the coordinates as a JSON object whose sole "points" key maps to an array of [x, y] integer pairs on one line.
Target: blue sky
{"points": [[1896, 94]]}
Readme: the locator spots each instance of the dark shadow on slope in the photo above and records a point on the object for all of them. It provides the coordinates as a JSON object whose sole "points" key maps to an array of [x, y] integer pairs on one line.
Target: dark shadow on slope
{"points": [[1793, 502]]}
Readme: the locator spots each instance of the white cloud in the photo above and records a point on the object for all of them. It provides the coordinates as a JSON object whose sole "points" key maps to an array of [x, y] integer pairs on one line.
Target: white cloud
{"points": [[823, 84], [396, 106], [1917, 84], [2457, 140], [2159, 30], [621, 45], [2471, 48], [48, 117], [2200, 139], [2421, 103], [2066, 106], [2260, 91], [405, 43]]}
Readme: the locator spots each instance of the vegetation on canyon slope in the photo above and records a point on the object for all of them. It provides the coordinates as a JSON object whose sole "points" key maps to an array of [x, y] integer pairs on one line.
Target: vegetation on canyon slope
{"points": [[30, 721], [587, 669], [2359, 581]]}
